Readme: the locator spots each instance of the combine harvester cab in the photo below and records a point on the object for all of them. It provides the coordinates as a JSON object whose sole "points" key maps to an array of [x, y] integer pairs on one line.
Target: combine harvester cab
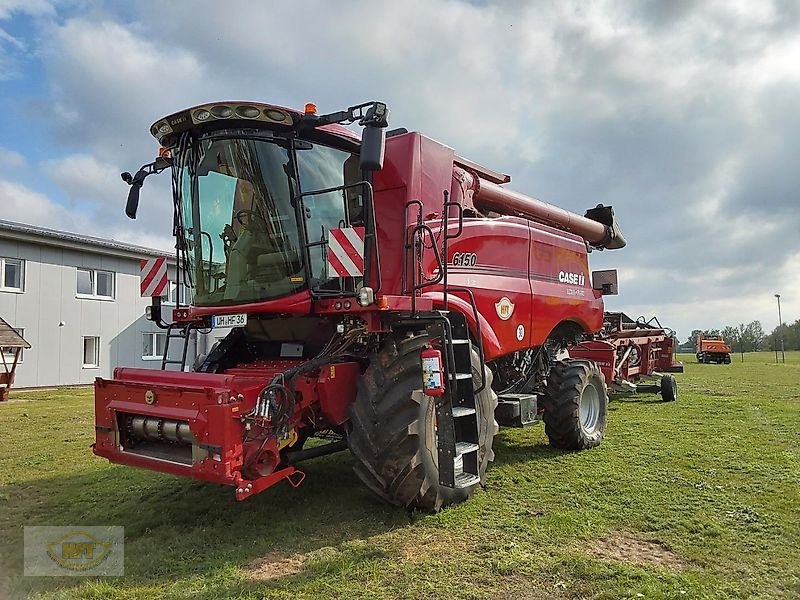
{"points": [[382, 294], [635, 356]]}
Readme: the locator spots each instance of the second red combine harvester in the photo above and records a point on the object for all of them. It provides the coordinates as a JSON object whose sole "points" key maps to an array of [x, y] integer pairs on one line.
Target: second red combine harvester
{"points": [[385, 295]]}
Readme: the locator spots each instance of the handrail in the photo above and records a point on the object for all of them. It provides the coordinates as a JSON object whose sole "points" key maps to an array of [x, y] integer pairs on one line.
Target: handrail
{"points": [[369, 235]]}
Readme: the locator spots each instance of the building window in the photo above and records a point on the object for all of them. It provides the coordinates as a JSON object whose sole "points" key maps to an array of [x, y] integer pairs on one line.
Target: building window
{"points": [[12, 274], [153, 345], [91, 352], [183, 299], [8, 353], [95, 284]]}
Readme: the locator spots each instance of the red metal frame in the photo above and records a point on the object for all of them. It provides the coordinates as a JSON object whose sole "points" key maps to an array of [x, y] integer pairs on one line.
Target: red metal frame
{"points": [[629, 355]]}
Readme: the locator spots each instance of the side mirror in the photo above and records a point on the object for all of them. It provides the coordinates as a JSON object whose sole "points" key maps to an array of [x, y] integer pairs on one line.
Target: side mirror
{"points": [[605, 282], [373, 145], [136, 183], [133, 201]]}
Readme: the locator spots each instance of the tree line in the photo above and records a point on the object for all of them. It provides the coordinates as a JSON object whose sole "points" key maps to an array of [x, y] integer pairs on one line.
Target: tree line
{"points": [[751, 337]]}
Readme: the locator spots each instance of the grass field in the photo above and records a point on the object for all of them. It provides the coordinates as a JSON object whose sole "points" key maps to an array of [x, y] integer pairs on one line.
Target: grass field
{"points": [[694, 499]]}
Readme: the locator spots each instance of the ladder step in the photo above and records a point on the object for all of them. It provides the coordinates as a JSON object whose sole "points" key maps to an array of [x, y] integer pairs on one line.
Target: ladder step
{"points": [[466, 448], [465, 480], [462, 411]]}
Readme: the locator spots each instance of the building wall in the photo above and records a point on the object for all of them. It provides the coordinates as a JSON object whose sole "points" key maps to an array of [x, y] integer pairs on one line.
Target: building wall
{"points": [[55, 319]]}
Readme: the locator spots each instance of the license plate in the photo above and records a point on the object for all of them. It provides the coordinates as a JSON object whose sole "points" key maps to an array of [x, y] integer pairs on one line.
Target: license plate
{"points": [[239, 320]]}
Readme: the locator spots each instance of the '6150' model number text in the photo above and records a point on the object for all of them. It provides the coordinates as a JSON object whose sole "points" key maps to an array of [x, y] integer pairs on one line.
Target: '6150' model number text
{"points": [[465, 259]]}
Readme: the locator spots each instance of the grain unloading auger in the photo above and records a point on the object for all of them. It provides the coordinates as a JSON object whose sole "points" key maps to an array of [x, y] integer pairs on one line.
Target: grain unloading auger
{"points": [[380, 293]]}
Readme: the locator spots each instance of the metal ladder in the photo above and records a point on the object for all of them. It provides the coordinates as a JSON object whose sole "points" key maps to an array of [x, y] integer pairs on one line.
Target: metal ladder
{"points": [[175, 331], [458, 429], [457, 418]]}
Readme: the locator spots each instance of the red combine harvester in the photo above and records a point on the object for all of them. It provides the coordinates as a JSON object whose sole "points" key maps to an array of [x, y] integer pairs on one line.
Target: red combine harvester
{"points": [[383, 294], [634, 356]]}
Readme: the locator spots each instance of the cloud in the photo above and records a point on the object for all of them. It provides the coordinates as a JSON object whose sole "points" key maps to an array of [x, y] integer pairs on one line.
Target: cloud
{"points": [[110, 84], [681, 114], [95, 188], [27, 206], [11, 160], [13, 50], [23, 205], [30, 7], [84, 177], [10, 49]]}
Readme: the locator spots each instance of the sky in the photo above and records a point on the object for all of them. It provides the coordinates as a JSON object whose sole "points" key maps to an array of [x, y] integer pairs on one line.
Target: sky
{"points": [[681, 114]]}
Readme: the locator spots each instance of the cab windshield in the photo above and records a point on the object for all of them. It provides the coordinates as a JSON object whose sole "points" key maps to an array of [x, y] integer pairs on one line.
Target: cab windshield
{"points": [[242, 238]]}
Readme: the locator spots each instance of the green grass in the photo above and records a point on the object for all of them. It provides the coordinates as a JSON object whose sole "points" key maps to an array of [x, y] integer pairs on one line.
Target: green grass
{"points": [[714, 478]]}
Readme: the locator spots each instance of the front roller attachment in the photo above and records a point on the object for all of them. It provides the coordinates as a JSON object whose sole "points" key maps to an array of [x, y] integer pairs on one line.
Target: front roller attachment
{"points": [[187, 424]]}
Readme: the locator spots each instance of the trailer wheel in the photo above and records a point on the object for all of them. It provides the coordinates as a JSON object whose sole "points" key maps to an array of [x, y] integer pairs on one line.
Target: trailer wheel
{"points": [[669, 388], [575, 405], [392, 436]]}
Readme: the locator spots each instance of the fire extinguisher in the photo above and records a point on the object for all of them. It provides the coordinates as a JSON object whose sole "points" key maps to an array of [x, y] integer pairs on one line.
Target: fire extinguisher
{"points": [[432, 371]]}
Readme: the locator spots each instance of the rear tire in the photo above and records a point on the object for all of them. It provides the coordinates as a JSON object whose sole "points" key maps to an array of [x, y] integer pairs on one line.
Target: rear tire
{"points": [[575, 405], [669, 388], [392, 430]]}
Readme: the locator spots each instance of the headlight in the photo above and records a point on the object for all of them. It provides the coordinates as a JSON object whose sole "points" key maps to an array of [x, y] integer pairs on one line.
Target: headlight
{"points": [[248, 112], [222, 112], [275, 115], [366, 296]]}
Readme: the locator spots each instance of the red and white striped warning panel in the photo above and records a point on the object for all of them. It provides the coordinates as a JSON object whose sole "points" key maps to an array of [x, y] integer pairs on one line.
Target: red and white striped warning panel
{"points": [[154, 277], [346, 252]]}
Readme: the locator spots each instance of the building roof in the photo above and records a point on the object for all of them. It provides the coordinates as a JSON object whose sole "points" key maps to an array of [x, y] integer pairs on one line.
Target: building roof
{"points": [[9, 338], [52, 237]]}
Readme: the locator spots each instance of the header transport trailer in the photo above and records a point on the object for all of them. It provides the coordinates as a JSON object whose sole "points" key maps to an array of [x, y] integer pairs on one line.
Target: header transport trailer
{"points": [[634, 356], [386, 295]]}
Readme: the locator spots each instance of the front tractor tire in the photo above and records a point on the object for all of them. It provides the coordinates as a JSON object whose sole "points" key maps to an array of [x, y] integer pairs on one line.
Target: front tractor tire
{"points": [[575, 405], [392, 433]]}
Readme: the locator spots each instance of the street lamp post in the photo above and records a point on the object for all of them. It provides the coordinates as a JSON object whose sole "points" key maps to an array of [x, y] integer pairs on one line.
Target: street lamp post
{"points": [[780, 332]]}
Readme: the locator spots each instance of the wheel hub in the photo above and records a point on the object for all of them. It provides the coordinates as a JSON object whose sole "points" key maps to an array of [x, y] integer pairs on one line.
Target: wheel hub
{"points": [[589, 408]]}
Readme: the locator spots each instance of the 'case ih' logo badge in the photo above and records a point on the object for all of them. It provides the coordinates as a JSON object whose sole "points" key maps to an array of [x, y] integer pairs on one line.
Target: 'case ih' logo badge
{"points": [[504, 308]]}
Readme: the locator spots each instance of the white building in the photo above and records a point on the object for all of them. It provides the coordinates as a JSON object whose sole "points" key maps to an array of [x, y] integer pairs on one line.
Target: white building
{"points": [[76, 300]]}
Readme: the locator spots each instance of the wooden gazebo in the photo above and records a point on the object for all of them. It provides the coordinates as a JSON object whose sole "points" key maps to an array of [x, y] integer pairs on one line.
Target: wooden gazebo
{"points": [[11, 344]]}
